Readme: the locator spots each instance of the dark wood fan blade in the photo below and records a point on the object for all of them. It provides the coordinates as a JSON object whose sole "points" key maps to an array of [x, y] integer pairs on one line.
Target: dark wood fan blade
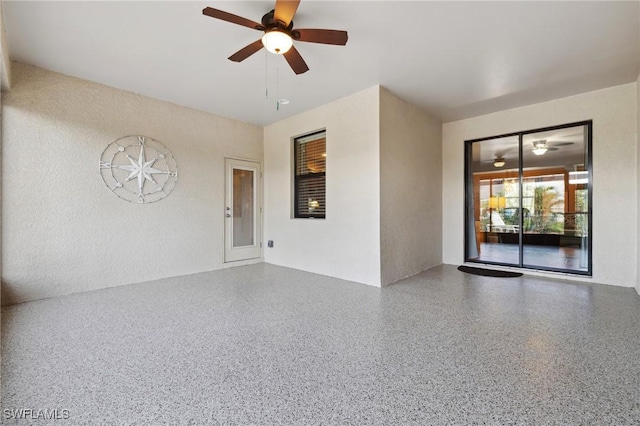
{"points": [[552, 149], [560, 143], [322, 36], [298, 65], [246, 51], [284, 11], [230, 17]]}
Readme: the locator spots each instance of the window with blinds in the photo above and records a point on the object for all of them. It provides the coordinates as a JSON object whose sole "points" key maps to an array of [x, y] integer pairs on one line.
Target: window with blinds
{"points": [[310, 167]]}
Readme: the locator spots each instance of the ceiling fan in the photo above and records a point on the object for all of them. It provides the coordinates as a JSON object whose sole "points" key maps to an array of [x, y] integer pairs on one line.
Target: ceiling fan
{"points": [[499, 158], [541, 146], [497, 162], [279, 34], [552, 142]]}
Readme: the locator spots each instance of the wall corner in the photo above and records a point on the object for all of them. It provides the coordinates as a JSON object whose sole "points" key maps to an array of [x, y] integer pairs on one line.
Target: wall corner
{"points": [[5, 61], [410, 189]]}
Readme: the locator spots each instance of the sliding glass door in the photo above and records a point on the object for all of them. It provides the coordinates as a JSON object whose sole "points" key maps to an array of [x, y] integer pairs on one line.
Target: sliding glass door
{"points": [[528, 199], [491, 208]]}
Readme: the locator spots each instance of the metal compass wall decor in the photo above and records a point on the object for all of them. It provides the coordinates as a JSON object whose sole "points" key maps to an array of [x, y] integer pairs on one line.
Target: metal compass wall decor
{"points": [[138, 169]]}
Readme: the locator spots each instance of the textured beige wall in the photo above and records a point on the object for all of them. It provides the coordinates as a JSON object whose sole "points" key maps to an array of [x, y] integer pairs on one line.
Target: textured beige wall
{"points": [[410, 189], [347, 243], [63, 230], [615, 173]]}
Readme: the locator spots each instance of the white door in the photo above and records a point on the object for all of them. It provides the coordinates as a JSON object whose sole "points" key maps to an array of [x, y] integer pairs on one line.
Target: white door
{"points": [[242, 237]]}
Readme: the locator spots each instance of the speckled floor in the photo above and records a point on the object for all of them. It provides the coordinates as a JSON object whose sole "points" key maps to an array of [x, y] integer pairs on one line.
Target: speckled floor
{"points": [[268, 345]]}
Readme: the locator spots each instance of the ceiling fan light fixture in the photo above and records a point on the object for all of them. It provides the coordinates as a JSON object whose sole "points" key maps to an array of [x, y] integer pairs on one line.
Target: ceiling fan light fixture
{"points": [[539, 147], [539, 151], [499, 163], [276, 41]]}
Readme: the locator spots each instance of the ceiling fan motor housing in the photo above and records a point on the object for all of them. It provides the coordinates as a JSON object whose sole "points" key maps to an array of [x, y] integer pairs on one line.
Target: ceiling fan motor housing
{"points": [[270, 23]]}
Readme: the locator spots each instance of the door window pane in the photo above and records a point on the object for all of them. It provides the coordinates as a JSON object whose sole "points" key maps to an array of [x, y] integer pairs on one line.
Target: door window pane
{"points": [[243, 208]]}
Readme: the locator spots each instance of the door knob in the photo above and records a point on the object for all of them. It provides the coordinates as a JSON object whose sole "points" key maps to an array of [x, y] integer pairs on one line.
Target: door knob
{"points": [[227, 215]]}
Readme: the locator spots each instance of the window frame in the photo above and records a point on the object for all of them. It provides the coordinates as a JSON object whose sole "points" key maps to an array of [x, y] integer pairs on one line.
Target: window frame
{"points": [[301, 178]]}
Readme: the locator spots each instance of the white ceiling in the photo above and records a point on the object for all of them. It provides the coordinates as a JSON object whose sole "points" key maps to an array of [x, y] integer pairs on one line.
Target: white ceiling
{"points": [[454, 59]]}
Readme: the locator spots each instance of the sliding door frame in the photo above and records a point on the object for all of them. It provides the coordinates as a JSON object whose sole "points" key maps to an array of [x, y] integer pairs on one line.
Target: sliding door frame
{"points": [[469, 195]]}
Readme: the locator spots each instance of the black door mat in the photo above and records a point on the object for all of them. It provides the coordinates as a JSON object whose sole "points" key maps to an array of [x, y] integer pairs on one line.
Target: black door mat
{"points": [[489, 272]]}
